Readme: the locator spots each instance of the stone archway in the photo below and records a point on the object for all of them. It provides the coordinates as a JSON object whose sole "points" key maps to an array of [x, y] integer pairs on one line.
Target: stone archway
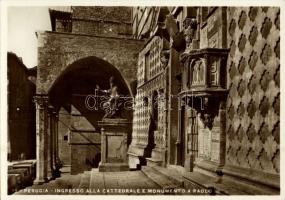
{"points": [[69, 92]]}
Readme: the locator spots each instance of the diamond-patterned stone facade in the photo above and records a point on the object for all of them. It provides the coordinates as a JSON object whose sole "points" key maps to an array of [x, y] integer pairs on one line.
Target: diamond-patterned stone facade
{"points": [[240, 133], [155, 83], [231, 133], [242, 65], [277, 49], [241, 109], [266, 26], [252, 84], [253, 35], [264, 81], [264, 132], [276, 132], [242, 20], [242, 42], [264, 106], [232, 49], [251, 109], [270, 146], [276, 104], [266, 54], [277, 21], [232, 27], [277, 76], [253, 133], [233, 70], [253, 13], [252, 60], [257, 145], [276, 161], [241, 87]]}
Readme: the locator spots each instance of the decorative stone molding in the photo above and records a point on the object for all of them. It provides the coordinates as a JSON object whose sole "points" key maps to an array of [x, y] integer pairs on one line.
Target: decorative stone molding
{"points": [[41, 101], [164, 58], [204, 84], [190, 29]]}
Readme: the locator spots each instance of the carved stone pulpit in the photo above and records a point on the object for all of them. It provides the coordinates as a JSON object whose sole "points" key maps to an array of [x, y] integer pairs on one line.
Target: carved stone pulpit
{"points": [[114, 136], [204, 90]]}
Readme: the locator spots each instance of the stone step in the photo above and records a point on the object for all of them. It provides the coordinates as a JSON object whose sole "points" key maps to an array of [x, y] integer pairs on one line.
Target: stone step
{"points": [[199, 181], [153, 162], [96, 180], [179, 169], [75, 180], [65, 169], [161, 180], [85, 180], [171, 174]]}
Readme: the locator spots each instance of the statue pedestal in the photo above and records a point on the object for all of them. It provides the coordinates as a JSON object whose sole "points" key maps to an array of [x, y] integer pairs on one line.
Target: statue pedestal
{"points": [[114, 137]]}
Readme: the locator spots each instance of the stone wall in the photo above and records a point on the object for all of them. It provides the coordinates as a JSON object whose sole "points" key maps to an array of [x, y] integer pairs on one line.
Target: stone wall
{"points": [[64, 137], [85, 140], [102, 20], [103, 13], [253, 106], [58, 50], [101, 28]]}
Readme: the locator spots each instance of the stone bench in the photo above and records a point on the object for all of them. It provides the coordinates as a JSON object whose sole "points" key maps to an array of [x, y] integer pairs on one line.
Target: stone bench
{"points": [[14, 183], [29, 166], [24, 174]]}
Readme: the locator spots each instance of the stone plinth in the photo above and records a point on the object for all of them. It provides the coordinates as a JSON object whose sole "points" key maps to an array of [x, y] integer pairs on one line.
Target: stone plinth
{"points": [[114, 137]]}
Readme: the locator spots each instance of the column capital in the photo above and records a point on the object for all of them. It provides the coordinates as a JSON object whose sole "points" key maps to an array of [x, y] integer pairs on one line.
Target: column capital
{"points": [[41, 100]]}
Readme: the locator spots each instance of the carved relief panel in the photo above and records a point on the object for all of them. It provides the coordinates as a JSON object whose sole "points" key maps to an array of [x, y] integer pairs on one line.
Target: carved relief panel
{"points": [[197, 73]]}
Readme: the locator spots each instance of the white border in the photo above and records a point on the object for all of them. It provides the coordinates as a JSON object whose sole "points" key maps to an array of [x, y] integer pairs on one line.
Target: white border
{"points": [[3, 84]]}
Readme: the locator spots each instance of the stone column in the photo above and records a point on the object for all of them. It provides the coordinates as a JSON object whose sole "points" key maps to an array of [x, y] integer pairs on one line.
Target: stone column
{"points": [[223, 121], [172, 107], [193, 139], [178, 140], [56, 172], [49, 144], [41, 132], [58, 162], [103, 146]]}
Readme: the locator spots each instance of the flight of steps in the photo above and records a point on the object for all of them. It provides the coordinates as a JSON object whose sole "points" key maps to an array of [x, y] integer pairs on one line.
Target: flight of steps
{"points": [[166, 178]]}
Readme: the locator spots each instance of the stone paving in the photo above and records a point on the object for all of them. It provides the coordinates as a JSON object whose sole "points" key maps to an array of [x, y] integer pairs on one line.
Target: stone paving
{"points": [[94, 182]]}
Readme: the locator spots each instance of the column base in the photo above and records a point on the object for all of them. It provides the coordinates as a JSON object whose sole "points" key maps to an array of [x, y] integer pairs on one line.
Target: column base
{"points": [[113, 167], [39, 181]]}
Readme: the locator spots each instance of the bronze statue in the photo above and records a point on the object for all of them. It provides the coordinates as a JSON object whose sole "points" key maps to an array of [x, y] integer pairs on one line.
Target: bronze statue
{"points": [[113, 106]]}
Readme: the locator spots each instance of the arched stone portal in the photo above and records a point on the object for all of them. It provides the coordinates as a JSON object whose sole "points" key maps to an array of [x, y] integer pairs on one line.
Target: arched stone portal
{"points": [[72, 96]]}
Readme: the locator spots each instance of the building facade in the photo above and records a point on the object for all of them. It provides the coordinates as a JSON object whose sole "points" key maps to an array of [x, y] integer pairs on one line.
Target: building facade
{"points": [[208, 96], [21, 110]]}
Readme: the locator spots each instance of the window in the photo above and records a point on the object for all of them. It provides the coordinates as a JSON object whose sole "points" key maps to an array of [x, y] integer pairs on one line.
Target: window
{"points": [[147, 66], [145, 102]]}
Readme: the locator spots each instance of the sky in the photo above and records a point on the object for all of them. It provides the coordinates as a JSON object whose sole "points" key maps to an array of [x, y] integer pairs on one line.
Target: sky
{"points": [[23, 22]]}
